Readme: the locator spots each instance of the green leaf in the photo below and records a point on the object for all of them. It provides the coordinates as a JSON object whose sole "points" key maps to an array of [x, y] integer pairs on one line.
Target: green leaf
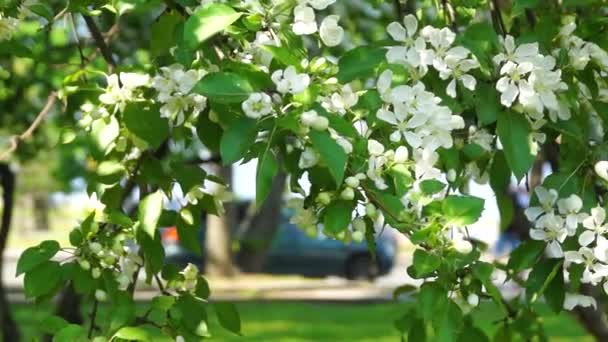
{"points": [[110, 172], [487, 104], [360, 63], [37, 255], [462, 210], [431, 186], [42, 280], [449, 323], [500, 174], [402, 179], [149, 212], [555, 294], [188, 176], [283, 55], [188, 232], [53, 324], [224, 87], [71, 333], [338, 216], [142, 333], [237, 140], [146, 123], [162, 33], [193, 314], [331, 153], [483, 272], [519, 6], [424, 264], [267, 169], [42, 10], [207, 21], [104, 133], [540, 277], [228, 316], [432, 298], [525, 255], [514, 133]]}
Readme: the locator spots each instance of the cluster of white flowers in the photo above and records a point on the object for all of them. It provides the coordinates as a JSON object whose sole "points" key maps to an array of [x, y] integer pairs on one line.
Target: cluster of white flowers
{"points": [[532, 79], [174, 86], [8, 27], [121, 258], [341, 101], [554, 226], [190, 275], [123, 88], [304, 218], [305, 22], [417, 114], [551, 226], [581, 52], [433, 47], [381, 160]]}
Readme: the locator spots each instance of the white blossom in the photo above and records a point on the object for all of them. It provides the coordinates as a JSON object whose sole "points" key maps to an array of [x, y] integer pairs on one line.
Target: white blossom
{"points": [[257, 105], [331, 33], [573, 300], [308, 158], [595, 225], [546, 199], [289, 81], [304, 20], [550, 228], [570, 208]]}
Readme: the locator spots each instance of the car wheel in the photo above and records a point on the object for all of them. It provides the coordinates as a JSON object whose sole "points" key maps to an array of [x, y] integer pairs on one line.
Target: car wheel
{"points": [[361, 267]]}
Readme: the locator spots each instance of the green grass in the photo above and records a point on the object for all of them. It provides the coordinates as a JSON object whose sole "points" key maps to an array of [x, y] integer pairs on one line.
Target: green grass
{"points": [[295, 322]]}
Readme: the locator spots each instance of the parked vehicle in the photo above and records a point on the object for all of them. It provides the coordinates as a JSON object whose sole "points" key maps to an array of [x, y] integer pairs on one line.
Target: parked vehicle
{"points": [[292, 251]]}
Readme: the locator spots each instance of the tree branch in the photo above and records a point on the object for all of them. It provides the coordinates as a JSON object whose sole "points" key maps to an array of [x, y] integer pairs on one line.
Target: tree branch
{"points": [[498, 17], [16, 139], [100, 41]]}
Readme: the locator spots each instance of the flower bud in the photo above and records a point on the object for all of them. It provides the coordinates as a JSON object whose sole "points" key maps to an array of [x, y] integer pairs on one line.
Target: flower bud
{"points": [[352, 182], [347, 194], [101, 295], [451, 175], [320, 123], [308, 118], [601, 169], [473, 299], [370, 211], [324, 198], [84, 264], [359, 225], [95, 247], [96, 273]]}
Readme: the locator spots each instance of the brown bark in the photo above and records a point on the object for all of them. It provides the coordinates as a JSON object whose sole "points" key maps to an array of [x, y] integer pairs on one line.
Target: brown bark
{"points": [[218, 251], [263, 226], [10, 331]]}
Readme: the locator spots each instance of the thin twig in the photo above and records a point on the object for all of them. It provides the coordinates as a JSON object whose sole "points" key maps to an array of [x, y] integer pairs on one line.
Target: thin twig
{"points": [[100, 41], [93, 317], [16, 139], [161, 287], [398, 9], [498, 15]]}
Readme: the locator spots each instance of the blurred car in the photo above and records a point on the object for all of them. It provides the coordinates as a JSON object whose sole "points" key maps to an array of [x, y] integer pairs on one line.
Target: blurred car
{"points": [[292, 251]]}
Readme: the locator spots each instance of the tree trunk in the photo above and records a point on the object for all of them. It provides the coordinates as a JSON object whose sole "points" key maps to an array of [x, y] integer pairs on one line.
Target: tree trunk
{"points": [[218, 251], [263, 226], [41, 211], [593, 320], [10, 331]]}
